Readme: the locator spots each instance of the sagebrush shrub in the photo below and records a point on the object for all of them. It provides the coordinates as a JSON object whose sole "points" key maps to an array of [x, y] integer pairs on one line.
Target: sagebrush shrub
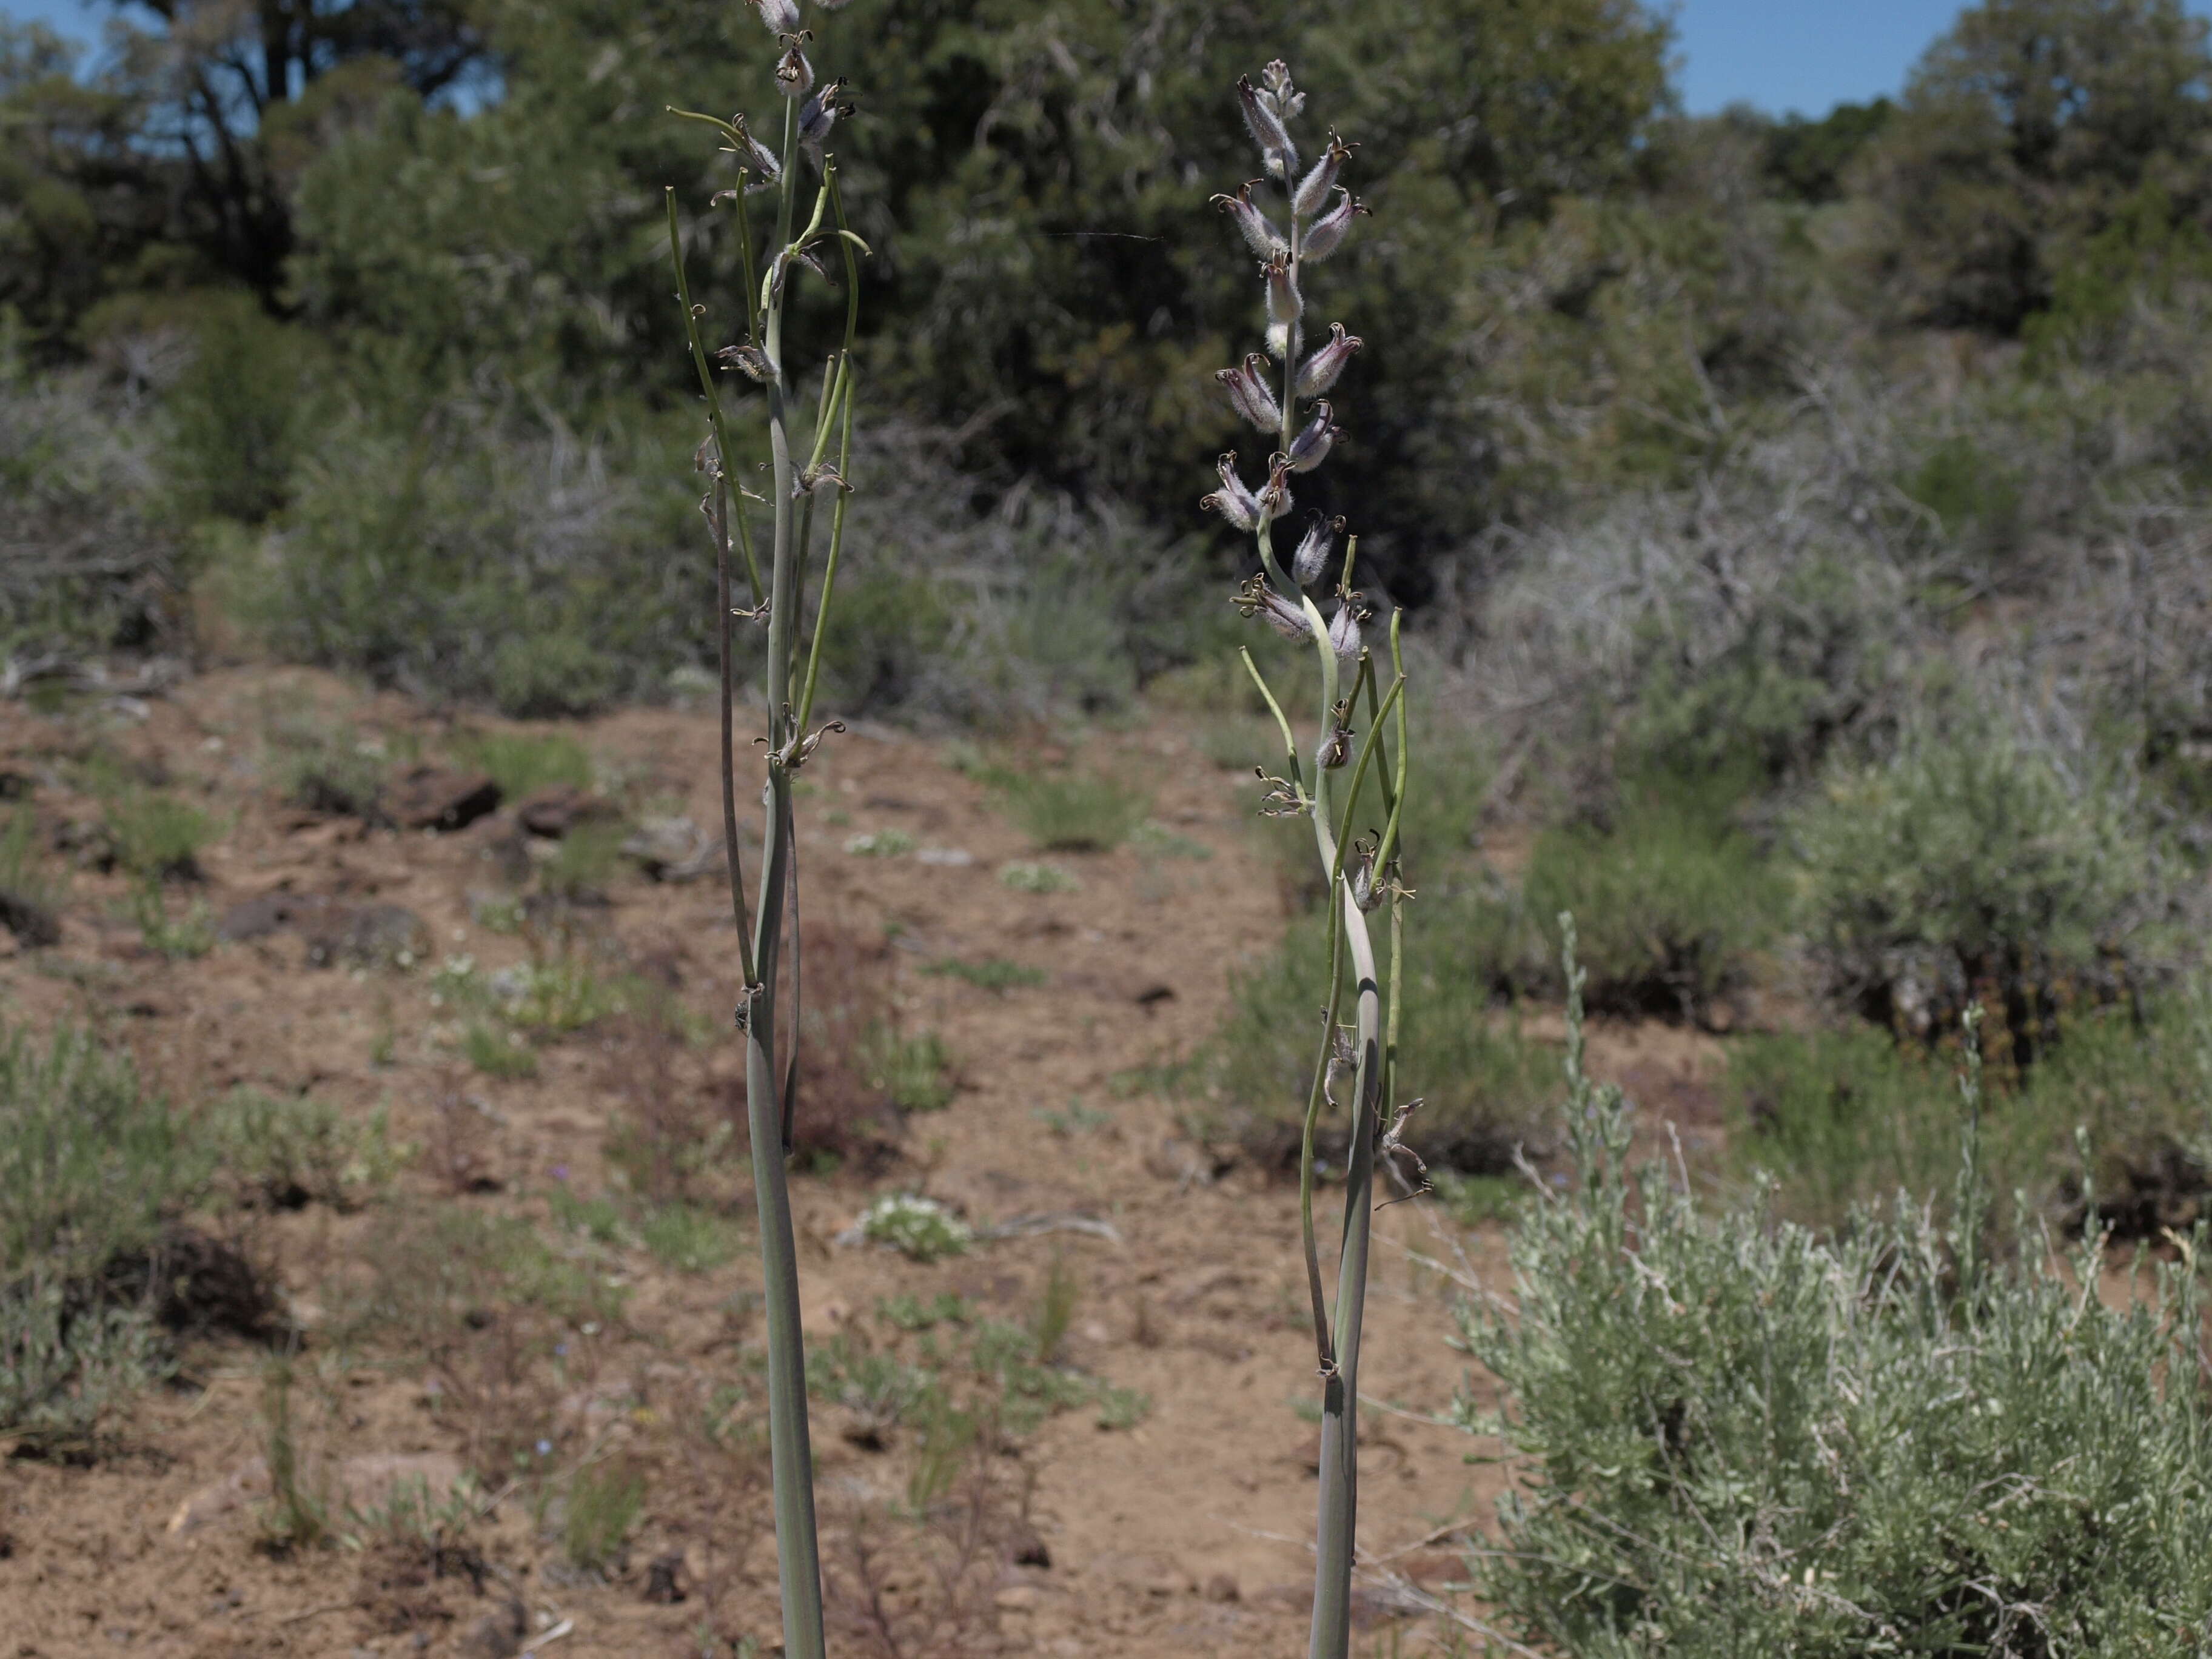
{"points": [[1740, 1436], [1970, 864]]}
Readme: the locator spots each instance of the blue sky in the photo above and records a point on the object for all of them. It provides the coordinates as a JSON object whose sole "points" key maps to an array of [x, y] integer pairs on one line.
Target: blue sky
{"points": [[1779, 55]]}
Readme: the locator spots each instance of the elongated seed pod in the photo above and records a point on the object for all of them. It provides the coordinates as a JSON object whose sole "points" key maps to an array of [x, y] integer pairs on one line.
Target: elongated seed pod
{"points": [[1325, 233], [1319, 371]]}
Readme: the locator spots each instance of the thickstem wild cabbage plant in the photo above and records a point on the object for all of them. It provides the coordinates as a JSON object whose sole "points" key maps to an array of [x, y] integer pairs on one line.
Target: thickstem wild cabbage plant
{"points": [[1281, 393], [799, 474]]}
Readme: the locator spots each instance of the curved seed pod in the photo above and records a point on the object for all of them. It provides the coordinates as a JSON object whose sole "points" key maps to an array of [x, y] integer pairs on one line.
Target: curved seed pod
{"points": [[1248, 391], [1319, 372], [1323, 235], [1260, 232], [1311, 446], [1232, 500], [793, 74], [781, 16], [1316, 551], [1313, 190]]}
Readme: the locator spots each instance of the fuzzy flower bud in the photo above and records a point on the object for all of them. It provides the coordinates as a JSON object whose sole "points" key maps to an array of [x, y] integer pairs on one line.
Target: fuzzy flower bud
{"points": [[1323, 235], [1232, 500], [781, 16], [1313, 190], [819, 113], [1260, 232], [1311, 446], [1343, 627], [1274, 497], [1316, 551], [1319, 372], [1276, 79], [793, 74], [1262, 116], [1249, 393], [1286, 617], [1285, 303]]}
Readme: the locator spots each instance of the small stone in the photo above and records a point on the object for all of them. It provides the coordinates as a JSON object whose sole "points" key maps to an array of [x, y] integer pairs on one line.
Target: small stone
{"points": [[1222, 1587], [671, 849], [950, 858], [1019, 1598], [33, 925], [367, 936], [558, 808], [1030, 1549], [432, 798], [1166, 1584], [497, 1634], [664, 1575]]}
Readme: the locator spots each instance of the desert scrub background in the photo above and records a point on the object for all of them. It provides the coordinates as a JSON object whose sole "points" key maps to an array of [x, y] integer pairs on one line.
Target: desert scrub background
{"points": [[1741, 1435]]}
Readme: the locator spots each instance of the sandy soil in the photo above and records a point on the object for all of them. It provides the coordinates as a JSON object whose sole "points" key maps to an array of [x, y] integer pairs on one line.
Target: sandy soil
{"points": [[1182, 1536]]}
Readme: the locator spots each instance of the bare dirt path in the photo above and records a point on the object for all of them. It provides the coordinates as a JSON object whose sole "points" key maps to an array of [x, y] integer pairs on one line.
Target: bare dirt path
{"points": [[1181, 1535]]}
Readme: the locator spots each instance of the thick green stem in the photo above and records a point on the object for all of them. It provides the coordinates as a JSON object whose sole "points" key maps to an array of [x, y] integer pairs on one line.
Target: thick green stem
{"points": [[799, 1563]]}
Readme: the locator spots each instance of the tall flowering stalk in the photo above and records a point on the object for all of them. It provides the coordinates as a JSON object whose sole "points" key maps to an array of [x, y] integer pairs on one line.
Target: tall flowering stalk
{"points": [[800, 474], [1282, 392]]}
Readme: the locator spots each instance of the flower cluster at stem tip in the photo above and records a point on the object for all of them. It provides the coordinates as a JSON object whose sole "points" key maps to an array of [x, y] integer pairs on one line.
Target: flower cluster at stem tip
{"points": [[1281, 391]]}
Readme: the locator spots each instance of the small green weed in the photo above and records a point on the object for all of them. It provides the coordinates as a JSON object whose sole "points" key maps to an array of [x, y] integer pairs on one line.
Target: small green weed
{"points": [[911, 1313], [1070, 812], [523, 762], [992, 974], [604, 1502], [599, 1220], [1122, 1408], [1158, 839], [497, 1052], [920, 1229], [689, 1240], [1078, 1120], [284, 1152], [915, 1072], [880, 844], [156, 836], [298, 1514], [1055, 1312], [1027, 876], [584, 863], [185, 938]]}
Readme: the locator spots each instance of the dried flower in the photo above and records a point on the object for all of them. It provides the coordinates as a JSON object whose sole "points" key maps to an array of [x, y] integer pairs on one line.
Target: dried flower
{"points": [[1336, 744], [1256, 599], [1319, 372], [781, 16], [1274, 497], [1313, 190], [819, 113], [1311, 446], [1263, 114], [1311, 561], [1323, 235], [793, 74], [1232, 500], [1248, 391], [1260, 232], [748, 360]]}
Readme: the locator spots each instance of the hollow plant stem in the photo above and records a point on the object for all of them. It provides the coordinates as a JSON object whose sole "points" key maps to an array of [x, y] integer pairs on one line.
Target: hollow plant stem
{"points": [[798, 1564]]}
